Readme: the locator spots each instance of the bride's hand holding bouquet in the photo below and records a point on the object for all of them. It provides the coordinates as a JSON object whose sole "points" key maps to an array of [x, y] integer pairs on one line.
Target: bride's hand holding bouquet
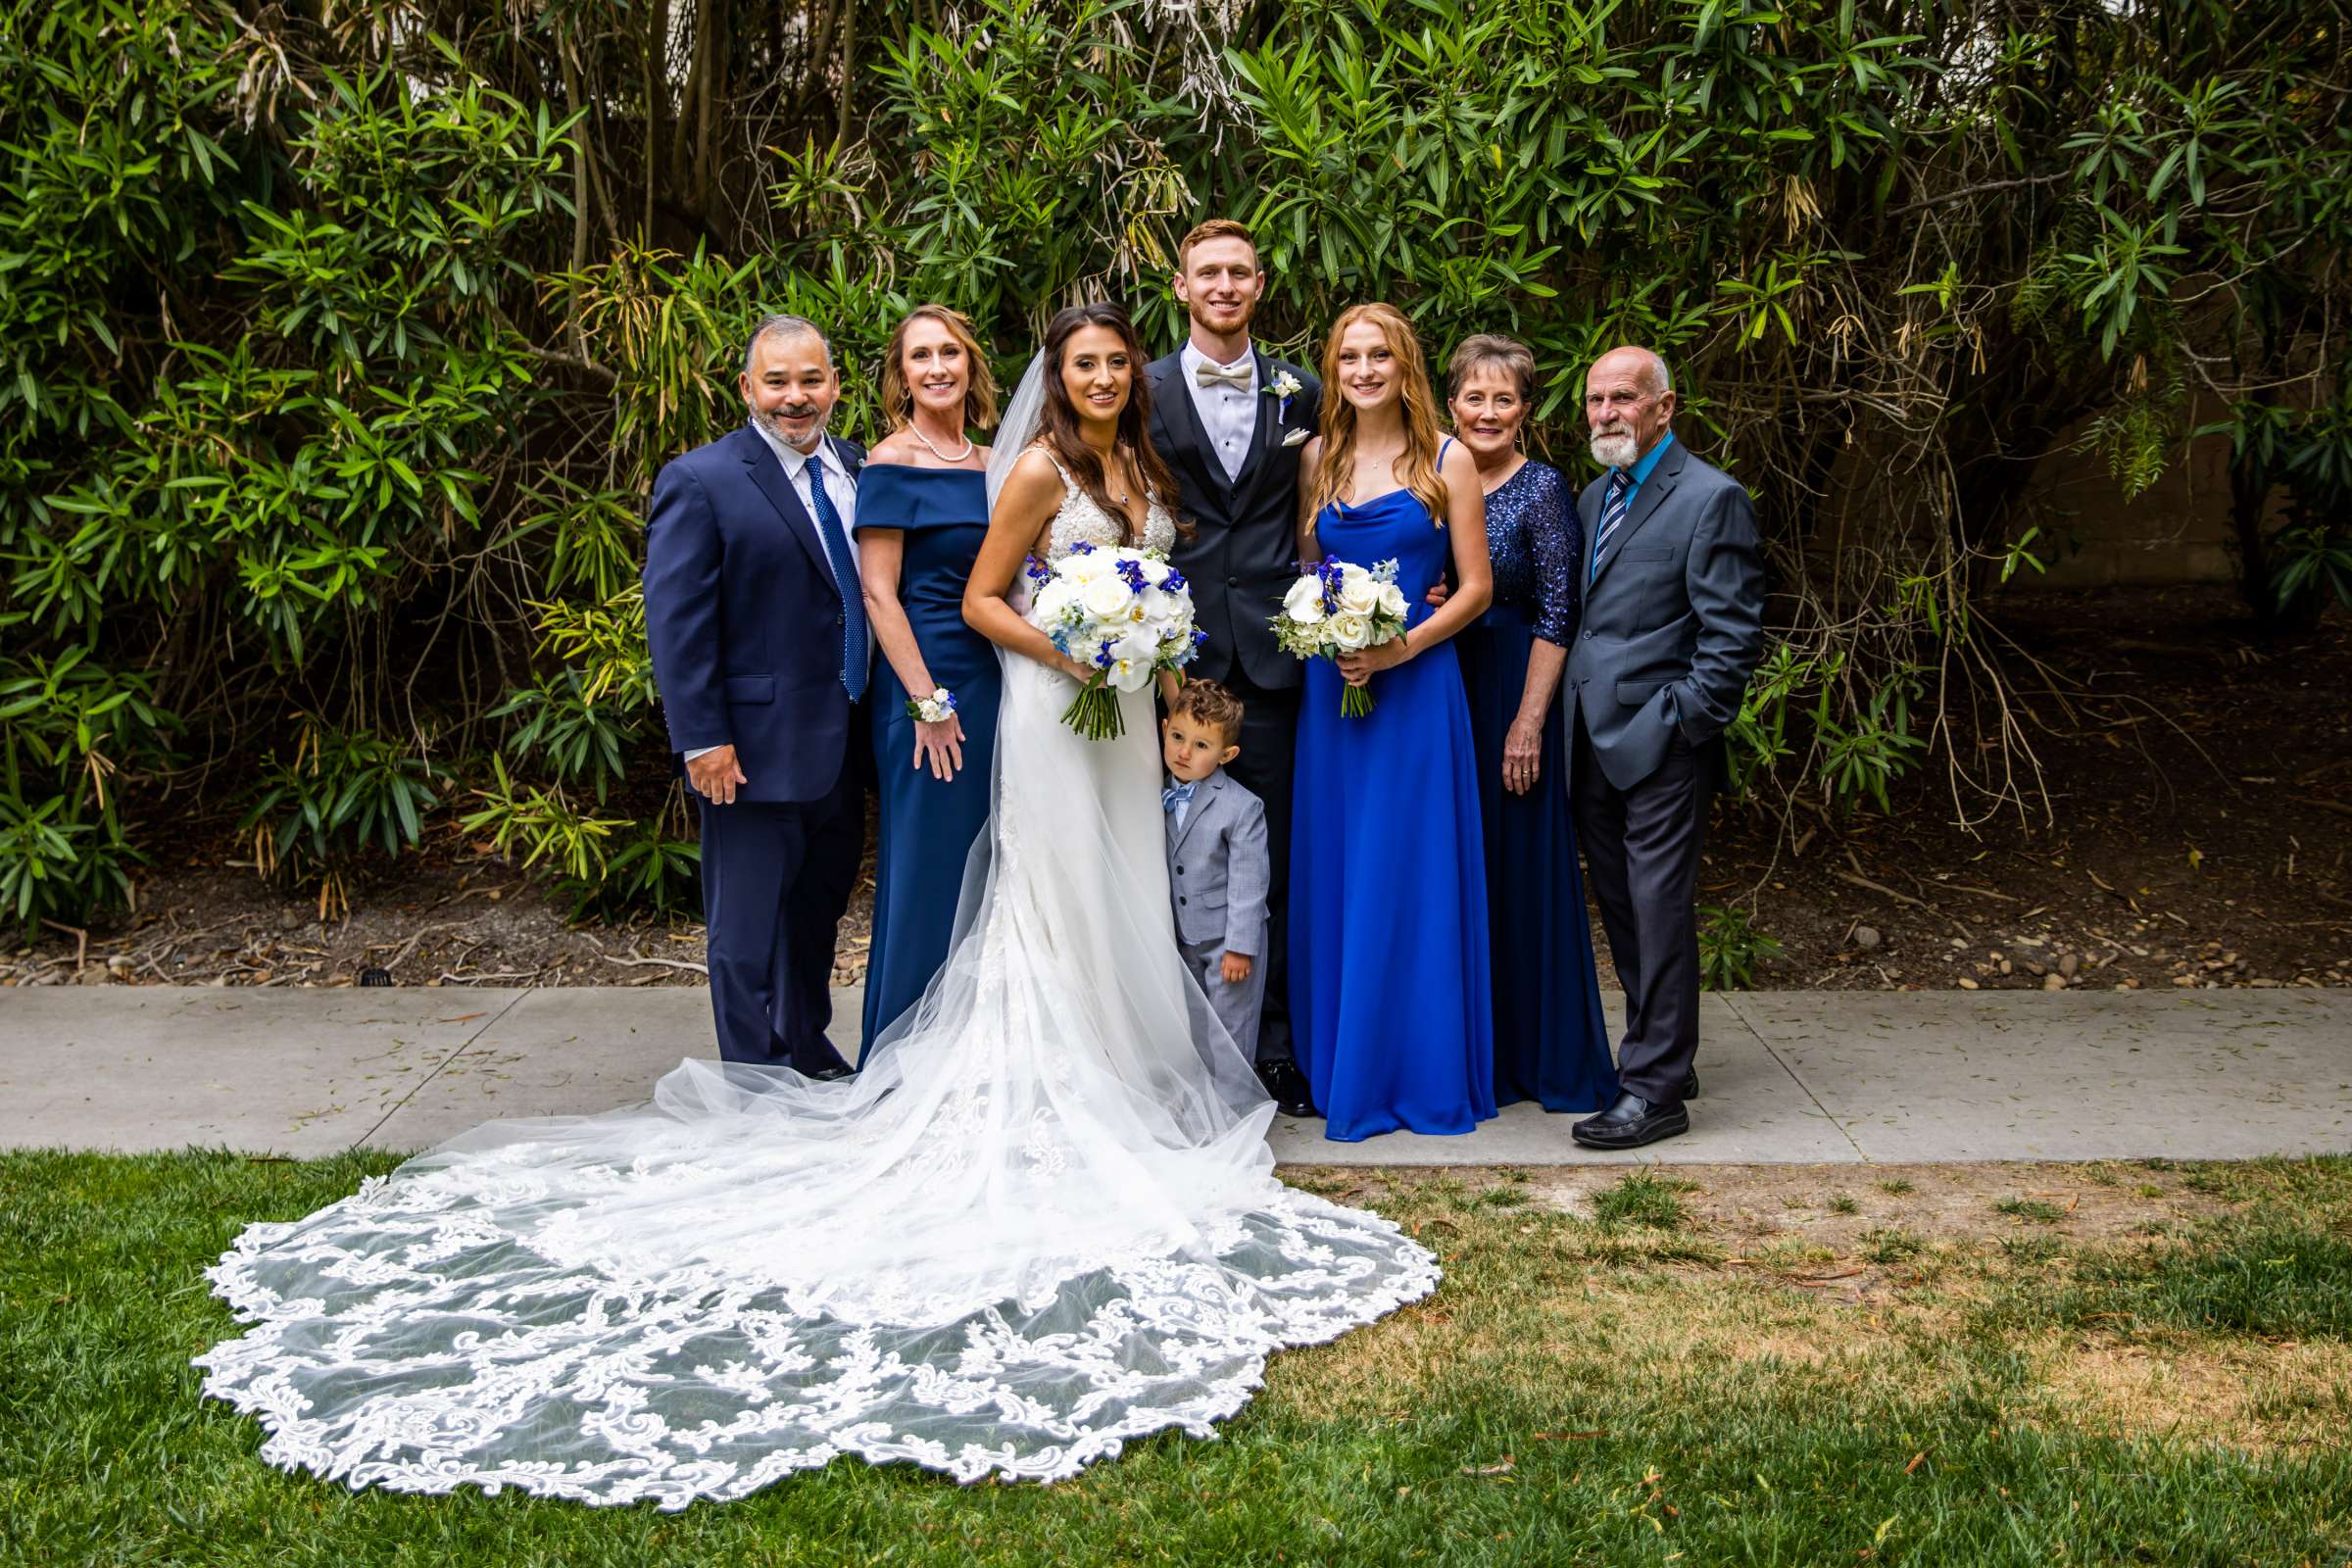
{"points": [[1119, 616]]}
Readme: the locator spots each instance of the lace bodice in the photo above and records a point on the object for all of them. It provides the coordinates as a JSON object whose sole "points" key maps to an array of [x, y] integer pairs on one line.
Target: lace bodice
{"points": [[1081, 518]]}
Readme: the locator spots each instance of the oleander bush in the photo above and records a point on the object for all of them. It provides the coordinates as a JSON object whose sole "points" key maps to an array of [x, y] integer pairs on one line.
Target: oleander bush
{"points": [[342, 342]]}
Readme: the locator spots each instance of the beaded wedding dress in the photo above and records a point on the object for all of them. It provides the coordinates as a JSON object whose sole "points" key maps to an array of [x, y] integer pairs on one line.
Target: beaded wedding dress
{"points": [[1040, 1222]]}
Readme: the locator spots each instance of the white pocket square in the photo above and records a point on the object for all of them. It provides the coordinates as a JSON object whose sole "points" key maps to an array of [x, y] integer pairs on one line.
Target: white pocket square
{"points": [[1294, 437]]}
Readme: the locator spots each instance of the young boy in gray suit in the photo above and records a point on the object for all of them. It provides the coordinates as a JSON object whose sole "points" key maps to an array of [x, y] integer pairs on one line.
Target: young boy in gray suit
{"points": [[1217, 865]]}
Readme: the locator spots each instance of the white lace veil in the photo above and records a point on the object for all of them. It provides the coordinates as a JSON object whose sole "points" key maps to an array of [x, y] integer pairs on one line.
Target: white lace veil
{"points": [[1040, 1222], [1018, 428]]}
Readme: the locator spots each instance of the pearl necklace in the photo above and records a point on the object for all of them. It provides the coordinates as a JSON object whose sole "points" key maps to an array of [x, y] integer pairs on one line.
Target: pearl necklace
{"points": [[935, 452]]}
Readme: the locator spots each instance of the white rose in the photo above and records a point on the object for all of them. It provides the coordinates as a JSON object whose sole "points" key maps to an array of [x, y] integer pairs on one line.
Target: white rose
{"points": [[1104, 597], [1359, 593], [1391, 600], [1156, 573], [1085, 565], [1303, 603], [1350, 631], [1052, 603]]}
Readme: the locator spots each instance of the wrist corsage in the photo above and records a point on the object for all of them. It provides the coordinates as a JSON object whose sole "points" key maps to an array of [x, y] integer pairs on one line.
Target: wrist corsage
{"points": [[935, 709]]}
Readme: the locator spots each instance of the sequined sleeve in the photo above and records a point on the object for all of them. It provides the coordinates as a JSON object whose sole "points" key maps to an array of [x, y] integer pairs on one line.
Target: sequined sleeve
{"points": [[1558, 541]]}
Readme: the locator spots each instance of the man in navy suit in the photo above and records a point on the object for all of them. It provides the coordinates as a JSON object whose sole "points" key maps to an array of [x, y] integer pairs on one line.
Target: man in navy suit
{"points": [[761, 649]]}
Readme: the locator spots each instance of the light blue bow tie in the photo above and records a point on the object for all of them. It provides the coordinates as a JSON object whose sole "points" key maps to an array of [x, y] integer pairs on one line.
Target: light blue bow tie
{"points": [[1176, 795]]}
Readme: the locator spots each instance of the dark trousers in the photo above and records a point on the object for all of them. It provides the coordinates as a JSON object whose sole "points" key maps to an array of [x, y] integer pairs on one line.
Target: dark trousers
{"points": [[1642, 857], [776, 880], [1268, 759]]}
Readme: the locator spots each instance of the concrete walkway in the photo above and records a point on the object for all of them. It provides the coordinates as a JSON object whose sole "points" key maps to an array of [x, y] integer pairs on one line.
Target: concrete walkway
{"points": [[1789, 1077]]}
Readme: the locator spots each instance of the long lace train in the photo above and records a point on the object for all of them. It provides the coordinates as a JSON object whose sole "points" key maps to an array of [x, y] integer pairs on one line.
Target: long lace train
{"points": [[1041, 1221]]}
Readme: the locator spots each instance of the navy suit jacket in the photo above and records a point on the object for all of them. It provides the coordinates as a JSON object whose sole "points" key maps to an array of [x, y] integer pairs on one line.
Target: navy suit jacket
{"points": [[1673, 620], [744, 618]]}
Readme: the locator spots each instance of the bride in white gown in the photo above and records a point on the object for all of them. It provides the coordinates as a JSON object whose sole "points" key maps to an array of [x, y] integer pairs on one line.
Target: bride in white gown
{"points": [[1041, 1220]]}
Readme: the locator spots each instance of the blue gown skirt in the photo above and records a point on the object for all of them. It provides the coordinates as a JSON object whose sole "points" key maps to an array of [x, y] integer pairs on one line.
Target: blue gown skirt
{"points": [[1390, 993], [1552, 1045]]}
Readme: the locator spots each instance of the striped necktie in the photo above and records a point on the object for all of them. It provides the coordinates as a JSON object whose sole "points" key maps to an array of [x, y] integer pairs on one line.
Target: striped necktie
{"points": [[1612, 512], [845, 578]]}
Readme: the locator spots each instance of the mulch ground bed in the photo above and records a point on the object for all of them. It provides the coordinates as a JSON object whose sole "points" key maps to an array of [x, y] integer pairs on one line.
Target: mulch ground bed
{"points": [[2199, 813]]}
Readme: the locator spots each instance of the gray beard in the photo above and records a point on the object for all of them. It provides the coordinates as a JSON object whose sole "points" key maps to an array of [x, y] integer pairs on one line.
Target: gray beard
{"points": [[1614, 451], [773, 425]]}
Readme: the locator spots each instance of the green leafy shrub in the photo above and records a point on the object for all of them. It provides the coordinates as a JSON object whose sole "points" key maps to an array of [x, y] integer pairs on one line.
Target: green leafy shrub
{"points": [[340, 793], [338, 350], [1730, 948]]}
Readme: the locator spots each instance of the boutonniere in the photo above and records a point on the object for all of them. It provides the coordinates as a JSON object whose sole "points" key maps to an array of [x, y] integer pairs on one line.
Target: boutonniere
{"points": [[1292, 438], [1284, 387]]}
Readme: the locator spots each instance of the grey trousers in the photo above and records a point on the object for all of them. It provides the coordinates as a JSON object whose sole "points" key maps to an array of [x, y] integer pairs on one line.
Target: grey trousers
{"points": [[1642, 859], [1237, 1007]]}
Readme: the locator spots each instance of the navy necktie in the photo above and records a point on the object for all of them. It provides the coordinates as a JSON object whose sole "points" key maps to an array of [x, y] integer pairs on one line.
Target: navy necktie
{"points": [[845, 578], [1612, 512]]}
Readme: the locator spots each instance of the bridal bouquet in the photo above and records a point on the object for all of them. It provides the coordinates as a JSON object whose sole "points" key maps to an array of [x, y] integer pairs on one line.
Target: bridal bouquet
{"points": [[1341, 607], [1125, 611]]}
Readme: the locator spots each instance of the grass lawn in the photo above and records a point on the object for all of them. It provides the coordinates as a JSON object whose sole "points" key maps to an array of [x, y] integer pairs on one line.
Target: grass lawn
{"points": [[2105, 1364]]}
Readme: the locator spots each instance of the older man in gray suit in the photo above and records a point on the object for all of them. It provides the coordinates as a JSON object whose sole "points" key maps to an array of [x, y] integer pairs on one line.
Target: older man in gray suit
{"points": [[1673, 625]]}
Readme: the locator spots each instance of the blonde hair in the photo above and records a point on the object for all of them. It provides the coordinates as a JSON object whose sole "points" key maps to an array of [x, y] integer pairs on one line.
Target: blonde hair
{"points": [[979, 387], [1422, 441]]}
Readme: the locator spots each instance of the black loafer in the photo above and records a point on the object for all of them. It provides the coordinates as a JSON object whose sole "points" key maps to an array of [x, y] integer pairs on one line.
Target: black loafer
{"points": [[830, 1074], [1632, 1122], [1293, 1095]]}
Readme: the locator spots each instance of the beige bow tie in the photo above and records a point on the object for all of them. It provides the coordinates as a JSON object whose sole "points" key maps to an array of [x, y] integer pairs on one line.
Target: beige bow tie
{"points": [[1238, 377]]}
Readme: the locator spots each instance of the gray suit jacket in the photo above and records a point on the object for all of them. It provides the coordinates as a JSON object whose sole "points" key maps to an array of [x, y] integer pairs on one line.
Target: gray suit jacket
{"points": [[1217, 867], [1673, 620]]}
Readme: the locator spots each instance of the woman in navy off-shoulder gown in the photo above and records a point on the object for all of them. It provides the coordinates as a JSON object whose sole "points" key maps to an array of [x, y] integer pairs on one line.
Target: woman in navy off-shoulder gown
{"points": [[1552, 1045], [1389, 983], [922, 511]]}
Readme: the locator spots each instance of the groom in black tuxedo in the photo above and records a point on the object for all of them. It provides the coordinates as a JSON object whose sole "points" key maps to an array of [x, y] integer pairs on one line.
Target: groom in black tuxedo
{"points": [[1231, 421]]}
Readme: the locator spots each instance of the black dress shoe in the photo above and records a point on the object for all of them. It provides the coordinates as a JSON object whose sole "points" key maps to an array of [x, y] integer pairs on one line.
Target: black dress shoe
{"points": [[1632, 1122], [1690, 1084], [831, 1073], [1293, 1095]]}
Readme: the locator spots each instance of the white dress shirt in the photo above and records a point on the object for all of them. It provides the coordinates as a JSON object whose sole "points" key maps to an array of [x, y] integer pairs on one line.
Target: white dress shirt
{"points": [[1228, 413], [840, 488]]}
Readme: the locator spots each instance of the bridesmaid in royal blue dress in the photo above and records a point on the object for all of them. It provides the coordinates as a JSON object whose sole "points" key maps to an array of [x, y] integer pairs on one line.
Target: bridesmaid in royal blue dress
{"points": [[1551, 1042], [1390, 995], [922, 511]]}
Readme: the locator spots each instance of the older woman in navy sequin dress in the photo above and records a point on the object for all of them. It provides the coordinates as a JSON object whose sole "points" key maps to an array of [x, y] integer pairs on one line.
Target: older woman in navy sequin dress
{"points": [[1550, 1044]]}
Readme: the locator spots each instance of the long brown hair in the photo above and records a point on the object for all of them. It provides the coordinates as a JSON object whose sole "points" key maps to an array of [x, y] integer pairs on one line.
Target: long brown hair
{"points": [[1059, 423], [1422, 442], [979, 385]]}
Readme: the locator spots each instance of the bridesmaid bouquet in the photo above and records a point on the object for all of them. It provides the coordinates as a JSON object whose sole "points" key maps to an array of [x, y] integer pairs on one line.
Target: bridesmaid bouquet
{"points": [[1341, 607], [1125, 611]]}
